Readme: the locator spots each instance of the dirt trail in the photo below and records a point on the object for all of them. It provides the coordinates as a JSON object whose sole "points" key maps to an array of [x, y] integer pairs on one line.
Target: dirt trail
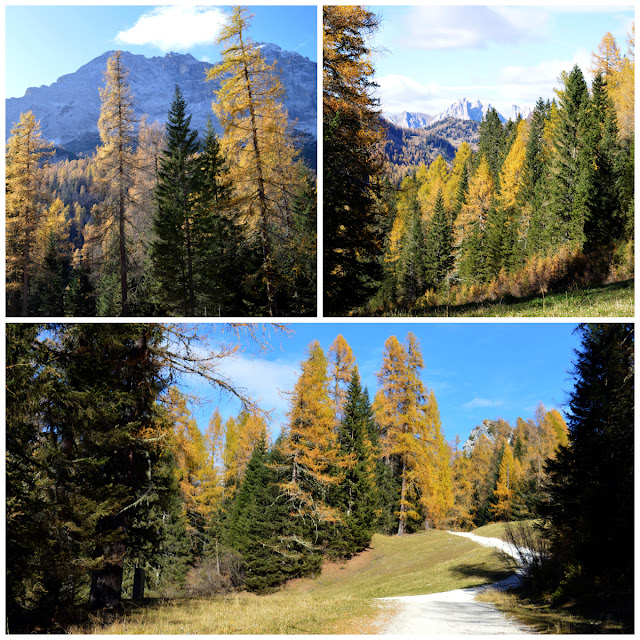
{"points": [[455, 612]]}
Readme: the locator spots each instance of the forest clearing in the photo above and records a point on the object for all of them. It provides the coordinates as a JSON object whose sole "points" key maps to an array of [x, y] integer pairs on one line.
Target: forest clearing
{"points": [[115, 492]]}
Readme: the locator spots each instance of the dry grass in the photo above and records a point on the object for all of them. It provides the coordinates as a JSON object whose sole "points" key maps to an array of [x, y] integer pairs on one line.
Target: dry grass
{"points": [[543, 618], [341, 600]]}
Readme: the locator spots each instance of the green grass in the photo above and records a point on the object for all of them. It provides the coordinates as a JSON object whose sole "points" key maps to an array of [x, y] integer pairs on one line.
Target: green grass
{"points": [[341, 600], [611, 300]]}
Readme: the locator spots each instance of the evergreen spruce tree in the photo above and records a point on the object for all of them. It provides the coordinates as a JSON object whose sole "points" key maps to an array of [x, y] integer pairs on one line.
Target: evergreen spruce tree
{"points": [[438, 258], [605, 220], [218, 259], [410, 267], [356, 494], [492, 144], [589, 511], [172, 253], [571, 168]]}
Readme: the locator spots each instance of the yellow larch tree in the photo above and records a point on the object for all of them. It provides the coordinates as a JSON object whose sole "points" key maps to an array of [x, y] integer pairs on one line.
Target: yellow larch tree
{"points": [[435, 180], [475, 210], [256, 142], [512, 167], [310, 442], [606, 58], [436, 491], [509, 479], [116, 168], [26, 153], [341, 362], [622, 90], [401, 410]]}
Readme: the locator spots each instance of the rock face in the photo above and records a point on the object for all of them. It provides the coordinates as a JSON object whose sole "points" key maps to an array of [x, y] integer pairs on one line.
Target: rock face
{"points": [[409, 120], [463, 109], [68, 109], [486, 428]]}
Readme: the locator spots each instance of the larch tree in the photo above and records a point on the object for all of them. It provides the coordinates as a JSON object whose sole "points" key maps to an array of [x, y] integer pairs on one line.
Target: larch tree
{"points": [[310, 445], [353, 159], [256, 143], [25, 197], [400, 405], [116, 165], [341, 362]]}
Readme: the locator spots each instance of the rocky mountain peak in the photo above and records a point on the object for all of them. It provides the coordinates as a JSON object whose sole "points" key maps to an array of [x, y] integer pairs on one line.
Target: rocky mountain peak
{"points": [[68, 109]]}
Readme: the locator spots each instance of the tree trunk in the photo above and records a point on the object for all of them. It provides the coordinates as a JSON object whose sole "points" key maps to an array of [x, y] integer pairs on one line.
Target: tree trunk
{"points": [[403, 496]]}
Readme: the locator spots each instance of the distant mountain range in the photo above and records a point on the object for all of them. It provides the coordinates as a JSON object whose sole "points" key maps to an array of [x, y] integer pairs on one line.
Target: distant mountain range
{"points": [[68, 109], [463, 109]]}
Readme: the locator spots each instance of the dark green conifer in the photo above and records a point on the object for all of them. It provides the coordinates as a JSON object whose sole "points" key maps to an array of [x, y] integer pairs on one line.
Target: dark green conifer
{"points": [[172, 248], [356, 494], [438, 251]]}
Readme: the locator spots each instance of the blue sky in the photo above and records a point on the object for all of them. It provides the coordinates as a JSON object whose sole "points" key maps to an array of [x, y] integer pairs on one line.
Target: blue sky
{"points": [[477, 370], [46, 42], [430, 56]]}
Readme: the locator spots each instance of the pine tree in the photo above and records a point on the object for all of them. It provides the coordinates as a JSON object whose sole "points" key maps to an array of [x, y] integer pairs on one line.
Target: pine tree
{"points": [[25, 196], [172, 251]]}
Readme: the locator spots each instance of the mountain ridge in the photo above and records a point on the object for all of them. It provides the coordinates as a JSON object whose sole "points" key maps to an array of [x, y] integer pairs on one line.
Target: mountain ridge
{"points": [[462, 109], [68, 109]]}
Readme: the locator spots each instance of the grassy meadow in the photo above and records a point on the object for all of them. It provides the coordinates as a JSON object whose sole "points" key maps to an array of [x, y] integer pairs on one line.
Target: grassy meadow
{"points": [[614, 300], [341, 600]]}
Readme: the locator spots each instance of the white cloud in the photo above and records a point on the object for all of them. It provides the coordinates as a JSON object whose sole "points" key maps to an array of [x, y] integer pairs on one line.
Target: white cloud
{"points": [[482, 402], [400, 93], [175, 27], [457, 27]]}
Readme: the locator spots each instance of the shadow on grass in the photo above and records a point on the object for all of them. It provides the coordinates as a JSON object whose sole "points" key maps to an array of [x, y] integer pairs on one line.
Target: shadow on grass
{"points": [[534, 301], [481, 573]]}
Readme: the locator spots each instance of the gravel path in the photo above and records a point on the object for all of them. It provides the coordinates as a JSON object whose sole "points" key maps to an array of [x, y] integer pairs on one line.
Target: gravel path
{"points": [[455, 612]]}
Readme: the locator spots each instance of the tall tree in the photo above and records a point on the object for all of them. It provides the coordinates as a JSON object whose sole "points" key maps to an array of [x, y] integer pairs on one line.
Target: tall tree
{"points": [[589, 510], [341, 361], [256, 142], [25, 196], [353, 161], [438, 245], [356, 495], [172, 250], [570, 180], [116, 164], [309, 445]]}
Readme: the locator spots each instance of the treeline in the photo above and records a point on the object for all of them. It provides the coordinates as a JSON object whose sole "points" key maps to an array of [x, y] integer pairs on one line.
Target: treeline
{"points": [[107, 471], [167, 221], [544, 203]]}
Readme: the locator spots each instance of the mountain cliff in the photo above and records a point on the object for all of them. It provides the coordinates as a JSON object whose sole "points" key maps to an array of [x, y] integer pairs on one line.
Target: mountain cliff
{"points": [[463, 109], [69, 108]]}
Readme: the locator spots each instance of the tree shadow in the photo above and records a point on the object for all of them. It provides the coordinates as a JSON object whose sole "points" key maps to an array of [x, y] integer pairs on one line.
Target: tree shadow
{"points": [[480, 572]]}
